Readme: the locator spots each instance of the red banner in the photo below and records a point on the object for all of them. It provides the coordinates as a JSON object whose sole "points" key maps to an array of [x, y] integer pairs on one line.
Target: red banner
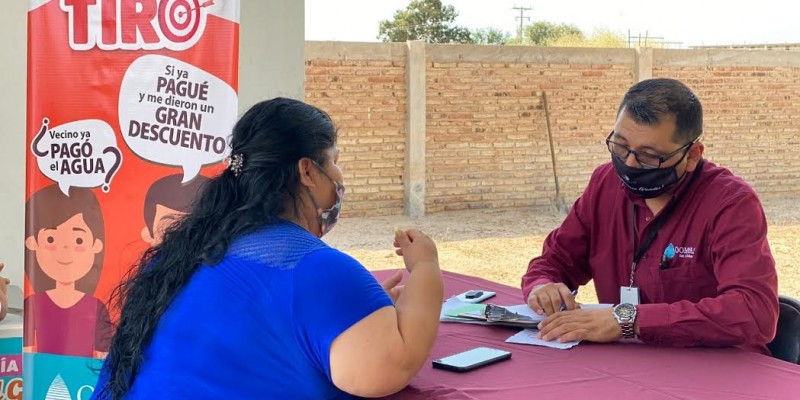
{"points": [[130, 104]]}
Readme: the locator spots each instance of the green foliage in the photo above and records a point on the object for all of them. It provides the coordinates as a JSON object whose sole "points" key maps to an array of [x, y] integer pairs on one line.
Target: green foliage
{"points": [[490, 36], [600, 38], [427, 20], [543, 33]]}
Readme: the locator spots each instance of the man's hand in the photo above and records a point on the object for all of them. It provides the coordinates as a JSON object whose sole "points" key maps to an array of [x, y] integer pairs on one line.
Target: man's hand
{"points": [[592, 325], [392, 286], [549, 297]]}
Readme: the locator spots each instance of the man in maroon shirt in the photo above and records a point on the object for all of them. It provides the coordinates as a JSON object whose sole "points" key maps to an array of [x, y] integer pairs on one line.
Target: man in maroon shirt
{"points": [[677, 242]]}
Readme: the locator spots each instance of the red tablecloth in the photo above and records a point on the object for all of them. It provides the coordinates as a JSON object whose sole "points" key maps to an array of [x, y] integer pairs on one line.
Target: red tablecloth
{"points": [[592, 371]]}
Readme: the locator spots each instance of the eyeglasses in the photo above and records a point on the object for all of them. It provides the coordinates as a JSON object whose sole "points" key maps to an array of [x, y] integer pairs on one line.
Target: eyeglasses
{"points": [[645, 160]]}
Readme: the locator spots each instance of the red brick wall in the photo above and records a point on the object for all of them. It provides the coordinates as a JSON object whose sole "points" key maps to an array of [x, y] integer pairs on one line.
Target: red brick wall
{"points": [[751, 121], [486, 135], [367, 101]]}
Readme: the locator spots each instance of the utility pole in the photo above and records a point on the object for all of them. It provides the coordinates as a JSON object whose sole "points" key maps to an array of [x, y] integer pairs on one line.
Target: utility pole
{"points": [[521, 19]]}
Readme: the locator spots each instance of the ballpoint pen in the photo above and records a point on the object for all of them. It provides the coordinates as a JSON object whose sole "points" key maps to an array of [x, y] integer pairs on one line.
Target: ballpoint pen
{"points": [[564, 305]]}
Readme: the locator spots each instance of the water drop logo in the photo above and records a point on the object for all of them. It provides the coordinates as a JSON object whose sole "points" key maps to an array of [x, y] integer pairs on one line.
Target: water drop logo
{"points": [[58, 390], [669, 252]]}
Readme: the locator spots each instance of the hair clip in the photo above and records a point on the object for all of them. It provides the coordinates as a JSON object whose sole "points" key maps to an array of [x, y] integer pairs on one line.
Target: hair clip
{"points": [[236, 164]]}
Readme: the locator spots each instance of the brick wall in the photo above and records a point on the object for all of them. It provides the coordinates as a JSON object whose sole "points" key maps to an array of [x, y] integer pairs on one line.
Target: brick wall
{"points": [[363, 88], [486, 133], [751, 114]]}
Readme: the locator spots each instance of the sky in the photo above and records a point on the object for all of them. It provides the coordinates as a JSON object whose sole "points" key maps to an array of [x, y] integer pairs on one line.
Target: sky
{"points": [[691, 22]]}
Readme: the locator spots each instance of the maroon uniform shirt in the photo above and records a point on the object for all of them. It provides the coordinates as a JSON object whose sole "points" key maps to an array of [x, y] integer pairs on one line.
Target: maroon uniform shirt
{"points": [[721, 287]]}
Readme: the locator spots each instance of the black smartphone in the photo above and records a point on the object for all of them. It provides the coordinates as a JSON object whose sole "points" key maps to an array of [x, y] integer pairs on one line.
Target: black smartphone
{"points": [[471, 359]]}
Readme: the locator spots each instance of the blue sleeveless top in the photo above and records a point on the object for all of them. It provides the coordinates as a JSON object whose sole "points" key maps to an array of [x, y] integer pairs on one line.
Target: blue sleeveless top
{"points": [[258, 325]]}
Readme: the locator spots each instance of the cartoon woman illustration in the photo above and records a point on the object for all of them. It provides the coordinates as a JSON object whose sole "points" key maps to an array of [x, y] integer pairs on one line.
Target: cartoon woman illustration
{"points": [[64, 237]]}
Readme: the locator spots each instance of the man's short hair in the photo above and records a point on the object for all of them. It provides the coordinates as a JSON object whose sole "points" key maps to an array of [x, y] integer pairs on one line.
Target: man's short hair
{"points": [[649, 101], [171, 193]]}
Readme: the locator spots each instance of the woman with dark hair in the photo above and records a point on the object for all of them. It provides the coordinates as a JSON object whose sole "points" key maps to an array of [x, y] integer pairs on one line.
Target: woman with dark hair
{"points": [[242, 300], [64, 241]]}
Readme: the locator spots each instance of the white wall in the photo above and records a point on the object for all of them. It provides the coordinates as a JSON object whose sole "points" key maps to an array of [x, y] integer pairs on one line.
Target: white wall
{"points": [[272, 46], [272, 43], [13, 43]]}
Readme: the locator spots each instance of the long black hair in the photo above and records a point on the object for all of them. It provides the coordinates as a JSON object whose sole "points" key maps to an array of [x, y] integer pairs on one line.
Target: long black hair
{"points": [[271, 137]]}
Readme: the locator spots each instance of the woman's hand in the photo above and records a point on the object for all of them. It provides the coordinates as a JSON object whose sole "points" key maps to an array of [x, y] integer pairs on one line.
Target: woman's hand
{"points": [[416, 248], [393, 287]]}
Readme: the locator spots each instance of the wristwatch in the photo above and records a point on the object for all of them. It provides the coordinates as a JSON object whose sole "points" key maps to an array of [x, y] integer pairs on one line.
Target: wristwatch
{"points": [[625, 314]]}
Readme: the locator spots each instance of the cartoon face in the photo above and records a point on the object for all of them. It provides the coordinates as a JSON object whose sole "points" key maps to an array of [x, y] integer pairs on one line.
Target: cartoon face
{"points": [[164, 217], [66, 253]]}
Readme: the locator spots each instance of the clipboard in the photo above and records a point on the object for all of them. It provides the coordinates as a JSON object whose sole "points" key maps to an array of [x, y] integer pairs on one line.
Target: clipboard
{"points": [[499, 315]]}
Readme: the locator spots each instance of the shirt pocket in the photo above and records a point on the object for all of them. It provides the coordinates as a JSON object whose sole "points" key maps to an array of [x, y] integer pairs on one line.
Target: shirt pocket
{"points": [[678, 281]]}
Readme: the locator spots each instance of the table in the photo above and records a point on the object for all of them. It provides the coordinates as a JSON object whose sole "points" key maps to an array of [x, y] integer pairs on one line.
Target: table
{"points": [[617, 371]]}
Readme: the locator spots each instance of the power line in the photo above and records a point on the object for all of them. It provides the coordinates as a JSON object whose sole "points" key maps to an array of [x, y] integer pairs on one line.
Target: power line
{"points": [[521, 19]]}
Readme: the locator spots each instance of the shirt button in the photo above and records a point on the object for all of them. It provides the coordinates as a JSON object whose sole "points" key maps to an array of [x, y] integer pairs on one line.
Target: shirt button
{"points": [[647, 219]]}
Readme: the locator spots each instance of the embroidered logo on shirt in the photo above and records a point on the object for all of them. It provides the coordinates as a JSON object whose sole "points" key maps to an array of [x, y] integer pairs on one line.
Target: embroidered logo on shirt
{"points": [[685, 251], [669, 252]]}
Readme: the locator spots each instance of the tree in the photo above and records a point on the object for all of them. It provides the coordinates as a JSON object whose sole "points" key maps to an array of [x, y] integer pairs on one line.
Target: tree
{"points": [[607, 38], [490, 36], [428, 20], [600, 38], [543, 33]]}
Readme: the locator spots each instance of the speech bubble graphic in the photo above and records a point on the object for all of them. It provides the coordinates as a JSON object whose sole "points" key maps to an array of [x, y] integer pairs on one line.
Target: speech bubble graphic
{"points": [[80, 153], [173, 113]]}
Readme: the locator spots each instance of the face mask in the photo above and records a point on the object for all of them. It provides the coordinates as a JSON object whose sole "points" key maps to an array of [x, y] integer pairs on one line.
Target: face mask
{"points": [[646, 183], [328, 217]]}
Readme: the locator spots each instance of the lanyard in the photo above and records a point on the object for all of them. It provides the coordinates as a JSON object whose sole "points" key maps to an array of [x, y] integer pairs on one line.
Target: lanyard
{"points": [[638, 253]]}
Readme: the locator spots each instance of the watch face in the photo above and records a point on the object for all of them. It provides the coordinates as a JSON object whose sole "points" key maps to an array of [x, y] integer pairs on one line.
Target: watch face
{"points": [[625, 311]]}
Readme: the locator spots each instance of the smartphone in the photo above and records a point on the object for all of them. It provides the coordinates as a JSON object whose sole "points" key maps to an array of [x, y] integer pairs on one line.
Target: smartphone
{"points": [[475, 296], [471, 359]]}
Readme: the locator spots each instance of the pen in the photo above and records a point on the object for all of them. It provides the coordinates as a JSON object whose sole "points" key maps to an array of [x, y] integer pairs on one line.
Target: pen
{"points": [[563, 305]]}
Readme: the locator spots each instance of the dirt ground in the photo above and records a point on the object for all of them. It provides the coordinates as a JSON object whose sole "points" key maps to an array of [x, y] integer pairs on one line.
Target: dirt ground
{"points": [[497, 244]]}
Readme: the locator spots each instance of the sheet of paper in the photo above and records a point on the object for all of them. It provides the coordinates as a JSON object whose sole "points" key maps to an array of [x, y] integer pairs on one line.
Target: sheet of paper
{"points": [[529, 336]]}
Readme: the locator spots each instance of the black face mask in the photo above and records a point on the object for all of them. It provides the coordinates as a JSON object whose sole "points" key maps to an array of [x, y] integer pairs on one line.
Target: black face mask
{"points": [[647, 183]]}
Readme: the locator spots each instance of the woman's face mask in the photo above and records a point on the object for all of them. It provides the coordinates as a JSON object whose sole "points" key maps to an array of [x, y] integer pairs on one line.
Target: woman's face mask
{"points": [[328, 217]]}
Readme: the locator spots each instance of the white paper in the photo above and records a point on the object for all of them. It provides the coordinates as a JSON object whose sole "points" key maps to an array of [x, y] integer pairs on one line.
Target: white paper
{"points": [[530, 336]]}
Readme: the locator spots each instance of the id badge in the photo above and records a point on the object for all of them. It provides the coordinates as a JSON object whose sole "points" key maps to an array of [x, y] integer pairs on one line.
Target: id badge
{"points": [[629, 294]]}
